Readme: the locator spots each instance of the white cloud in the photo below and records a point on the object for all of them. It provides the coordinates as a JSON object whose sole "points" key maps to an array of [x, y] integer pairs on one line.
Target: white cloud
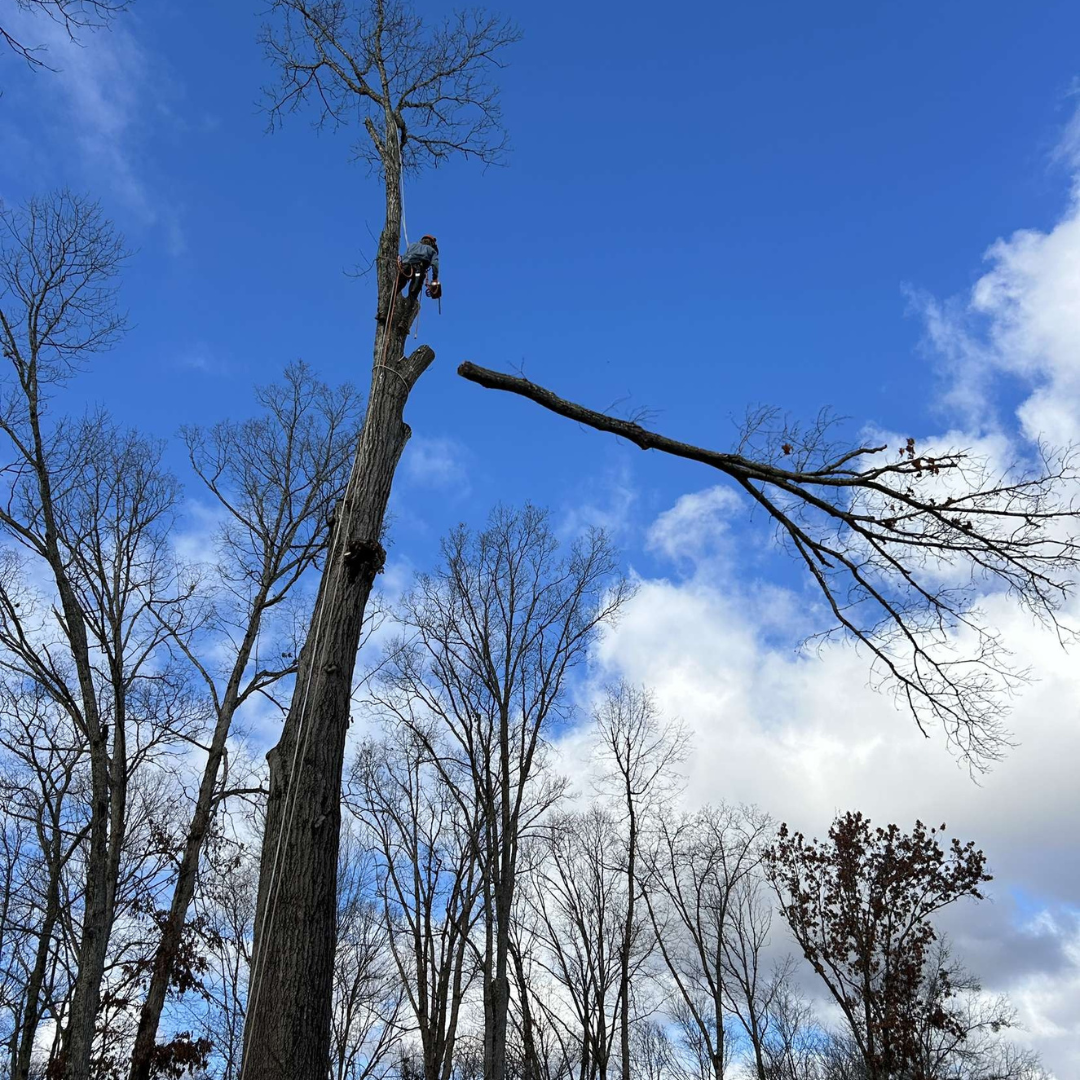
{"points": [[696, 527], [605, 501], [105, 99], [439, 463], [804, 737], [1021, 318]]}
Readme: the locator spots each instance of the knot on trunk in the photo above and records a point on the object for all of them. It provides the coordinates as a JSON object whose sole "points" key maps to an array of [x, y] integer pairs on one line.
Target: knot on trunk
{"points": [[367, 557]]}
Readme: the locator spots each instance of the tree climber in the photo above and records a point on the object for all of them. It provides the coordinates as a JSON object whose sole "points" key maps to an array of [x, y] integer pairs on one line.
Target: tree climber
{"points": [[414, 267]]}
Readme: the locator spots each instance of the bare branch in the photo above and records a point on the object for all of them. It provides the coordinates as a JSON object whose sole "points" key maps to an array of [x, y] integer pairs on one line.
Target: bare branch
{"points": [[73, 15], [902, 545]]}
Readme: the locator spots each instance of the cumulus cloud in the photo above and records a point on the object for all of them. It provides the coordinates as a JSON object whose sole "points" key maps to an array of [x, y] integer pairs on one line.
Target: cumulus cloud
{"points": [[804, 736], [1020, 319], [697, 526]]}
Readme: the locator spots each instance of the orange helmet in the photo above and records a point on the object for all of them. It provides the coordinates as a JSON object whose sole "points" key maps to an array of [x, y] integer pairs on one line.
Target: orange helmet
{"points": [[427, 238]]}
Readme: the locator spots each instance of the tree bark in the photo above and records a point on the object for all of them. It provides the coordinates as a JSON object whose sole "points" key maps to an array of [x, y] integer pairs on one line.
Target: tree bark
{"points": [[287, 1034], [628, 932], [184, 890], [31, 1016], [287, 1029]]}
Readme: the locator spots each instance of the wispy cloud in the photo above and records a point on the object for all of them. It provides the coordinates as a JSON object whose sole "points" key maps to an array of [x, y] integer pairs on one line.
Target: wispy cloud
{"points": [[95, 114], [438, 463]]}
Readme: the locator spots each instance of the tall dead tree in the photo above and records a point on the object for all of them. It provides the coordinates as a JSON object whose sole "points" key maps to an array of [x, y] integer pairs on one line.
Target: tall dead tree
{"points": [[901, 543], [422, 95]]}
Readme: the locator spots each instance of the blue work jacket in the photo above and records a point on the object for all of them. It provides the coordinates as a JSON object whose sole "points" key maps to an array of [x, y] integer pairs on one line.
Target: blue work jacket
{"points": [[418, 253]]}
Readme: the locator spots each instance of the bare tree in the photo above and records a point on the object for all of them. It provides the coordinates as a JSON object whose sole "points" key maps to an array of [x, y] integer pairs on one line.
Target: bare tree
{"points": [[225, 908], [640, 752], [40, 791], [90, 505], [973, 1045], [750, 984], [579, 896], [369, 994], [795, 1044], [421, 95], [654, 1056], [495, 634], [697, 871], [899, 541], [429, 882], [74, 16], [277, 478]]}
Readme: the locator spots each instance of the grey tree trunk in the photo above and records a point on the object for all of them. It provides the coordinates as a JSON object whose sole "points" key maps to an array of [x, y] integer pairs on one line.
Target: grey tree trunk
{"points": [[628, 933], [184, 890], [97, 909], [24, 1053], [287, 1028]]}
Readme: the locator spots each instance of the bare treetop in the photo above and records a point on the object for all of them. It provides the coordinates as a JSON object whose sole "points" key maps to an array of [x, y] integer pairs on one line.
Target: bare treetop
{"points": [[375, 62], [902, 543], [59, 260]]}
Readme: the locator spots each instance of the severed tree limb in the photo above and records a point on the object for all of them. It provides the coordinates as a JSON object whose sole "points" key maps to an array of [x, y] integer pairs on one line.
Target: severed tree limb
{"points": [[902, 549]]}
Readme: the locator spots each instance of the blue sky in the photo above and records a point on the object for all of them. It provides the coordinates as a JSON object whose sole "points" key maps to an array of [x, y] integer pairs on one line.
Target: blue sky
{"points": [[700, 213], [707, 207]]}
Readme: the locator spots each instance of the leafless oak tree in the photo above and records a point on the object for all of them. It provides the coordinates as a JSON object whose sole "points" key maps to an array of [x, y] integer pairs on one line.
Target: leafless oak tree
{"points": [[422, 94], [900, 541]]}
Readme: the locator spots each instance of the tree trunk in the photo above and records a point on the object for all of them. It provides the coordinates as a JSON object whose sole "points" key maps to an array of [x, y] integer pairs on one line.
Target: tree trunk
{"points": [[503, 891], [32, 1014], [287, 1028], [184, 890], [628, 934], [94, 936], [287, 1033], [97, 902]]}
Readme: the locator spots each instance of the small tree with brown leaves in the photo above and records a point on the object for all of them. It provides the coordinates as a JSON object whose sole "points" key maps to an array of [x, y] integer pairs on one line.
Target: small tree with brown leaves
{"points": [[859, 904]]}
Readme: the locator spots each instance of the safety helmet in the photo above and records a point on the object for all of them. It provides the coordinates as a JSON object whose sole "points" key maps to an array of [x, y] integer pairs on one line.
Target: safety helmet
{"points": [[427, 238]]}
